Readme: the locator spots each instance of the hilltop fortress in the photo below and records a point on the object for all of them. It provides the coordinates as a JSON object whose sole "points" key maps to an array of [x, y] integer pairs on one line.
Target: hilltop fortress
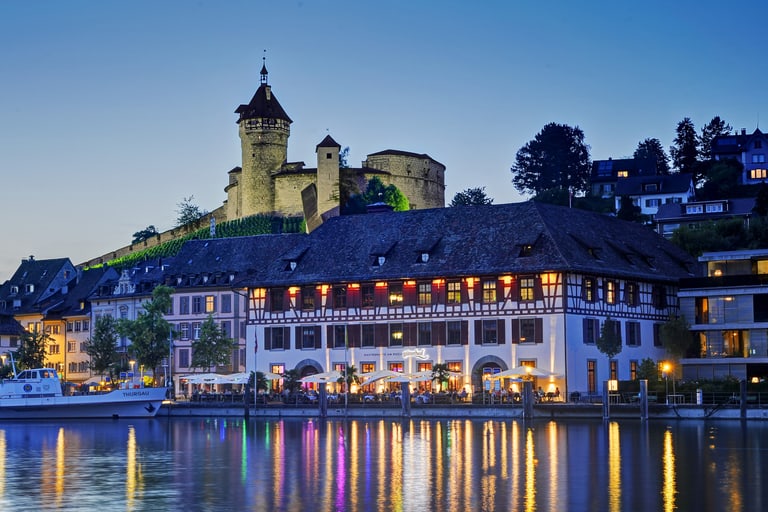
{"points": [[266, 183]]}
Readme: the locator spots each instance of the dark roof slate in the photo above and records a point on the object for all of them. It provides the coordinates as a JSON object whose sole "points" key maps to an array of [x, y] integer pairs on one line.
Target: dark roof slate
{"points": [[262, 105], [472, 241], [674, 183]]}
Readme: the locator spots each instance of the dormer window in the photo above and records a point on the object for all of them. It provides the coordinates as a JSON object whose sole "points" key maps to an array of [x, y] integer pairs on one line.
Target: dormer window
{"points": [[291, 266], [424, 257], [526, 250], [380, 260], [14, 290], [650, 187], [29, 288]]}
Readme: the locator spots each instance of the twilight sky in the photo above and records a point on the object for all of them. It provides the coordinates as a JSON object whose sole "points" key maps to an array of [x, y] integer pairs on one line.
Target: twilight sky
{"points": [[112, 112]]}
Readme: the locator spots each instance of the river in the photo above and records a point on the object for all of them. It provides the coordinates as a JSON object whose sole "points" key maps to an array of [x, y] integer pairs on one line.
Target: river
{"points": [[235, 464]]}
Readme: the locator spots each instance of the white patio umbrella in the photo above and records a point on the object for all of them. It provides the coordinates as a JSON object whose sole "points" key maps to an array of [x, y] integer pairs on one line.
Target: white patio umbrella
{"points": [[377, 375], [205, 378], [319, 378]]}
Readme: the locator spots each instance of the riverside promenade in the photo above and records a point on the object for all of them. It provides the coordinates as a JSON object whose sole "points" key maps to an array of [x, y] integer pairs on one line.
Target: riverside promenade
{"points": [[554, 411]]}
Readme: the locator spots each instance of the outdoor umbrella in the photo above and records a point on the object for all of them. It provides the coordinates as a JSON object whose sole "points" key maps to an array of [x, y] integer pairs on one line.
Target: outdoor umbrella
{"points": [[319, 378], [378, 375]]}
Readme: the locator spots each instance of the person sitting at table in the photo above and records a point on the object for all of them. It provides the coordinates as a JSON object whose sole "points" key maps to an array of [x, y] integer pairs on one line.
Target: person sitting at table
{"points": [[557, 393]]}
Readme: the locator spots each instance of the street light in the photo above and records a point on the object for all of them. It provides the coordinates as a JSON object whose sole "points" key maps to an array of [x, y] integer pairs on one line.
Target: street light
{"points": [[132, 364], [665, 367]]}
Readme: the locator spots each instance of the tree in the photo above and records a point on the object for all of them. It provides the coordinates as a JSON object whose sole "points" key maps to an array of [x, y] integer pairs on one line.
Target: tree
{"points": [[715, 128], [349, 376], [441, 374], [144, 234], [188, 212], [685, 150], [557, 157], [652, 149], [213, 348], [675, 336], [31, 352], [260, 380], [343, 158], [102, 347], [721, 235], [630, 211], [149, 333], [722, 179], [471, 196], [648, 370], [761, 201], [609, 342], [376, 192], [292, 380]]}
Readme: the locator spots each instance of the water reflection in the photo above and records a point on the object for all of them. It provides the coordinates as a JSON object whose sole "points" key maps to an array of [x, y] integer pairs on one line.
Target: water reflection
{"points": [[233, 464]]}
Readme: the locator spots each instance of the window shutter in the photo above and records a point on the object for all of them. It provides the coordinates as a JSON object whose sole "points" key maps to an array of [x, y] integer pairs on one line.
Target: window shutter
{"points": [[268, 338], [538, 336], [499, 290], [298, 338], [585, 330], [514, 292], [318, 298], [438, 333], [409, 295], [318, 337], [268, 301], [381, 335], [464, 332], [380, 296], [515, 330], [538, 290], [410, 334], [287, 337], [501, 338], [478, 332], [329, 336]]}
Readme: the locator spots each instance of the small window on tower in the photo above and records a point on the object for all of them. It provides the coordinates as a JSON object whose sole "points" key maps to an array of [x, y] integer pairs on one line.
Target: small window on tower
{"points": [[328, 156]]}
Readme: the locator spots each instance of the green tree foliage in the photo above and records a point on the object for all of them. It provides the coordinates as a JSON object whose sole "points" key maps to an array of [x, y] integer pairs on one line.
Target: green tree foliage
{"points": [[761, 201], [648, 370], [102, 347], [188, 212], [715, 128], [292, 380], [261, 381], [685, 150], [721, 180], [344, 158], [587, 202], [726, 234], [150, 332], [650, 149], [609, 342], [376, 192], [349, 377], [557, 157], [471, 196], [630, 211], [144, 234], [676, 336], [213, 348], [31, 352]]}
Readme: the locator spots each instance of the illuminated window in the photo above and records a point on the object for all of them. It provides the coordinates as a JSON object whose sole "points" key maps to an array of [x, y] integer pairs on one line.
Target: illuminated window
{"points": [[614, 370], [454, 292], [633, 370], [489, 291], [758, 174], [367, 367], [715, 208], [622, 174], [425, 294], [632, 294], [396, 367], [589, 289], [210, 304], [395, 294], [610, 291], [527, 289], [396, 335]]}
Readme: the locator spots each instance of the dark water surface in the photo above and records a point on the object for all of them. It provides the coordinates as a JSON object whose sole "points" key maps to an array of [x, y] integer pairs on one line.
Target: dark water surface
{"points": [[302, 465]]}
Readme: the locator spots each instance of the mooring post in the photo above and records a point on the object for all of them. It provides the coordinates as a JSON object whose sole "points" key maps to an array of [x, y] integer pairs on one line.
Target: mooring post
{"points": [[644, 399]]}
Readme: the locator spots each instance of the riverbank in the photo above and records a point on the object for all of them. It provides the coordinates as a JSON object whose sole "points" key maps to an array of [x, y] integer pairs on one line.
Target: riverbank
{"points": [[540, 411]]}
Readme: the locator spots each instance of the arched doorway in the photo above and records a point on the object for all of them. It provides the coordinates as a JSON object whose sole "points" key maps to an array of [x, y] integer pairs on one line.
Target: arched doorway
{"points": [[308, 367], [486, 365]]}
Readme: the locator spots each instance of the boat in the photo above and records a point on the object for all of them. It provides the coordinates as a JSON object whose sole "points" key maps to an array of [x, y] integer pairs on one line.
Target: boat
{"points": [[37, 394]]}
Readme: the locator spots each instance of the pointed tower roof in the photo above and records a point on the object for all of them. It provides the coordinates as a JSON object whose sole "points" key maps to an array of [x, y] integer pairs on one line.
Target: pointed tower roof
{"points": [[264, 104], [328, 142]]}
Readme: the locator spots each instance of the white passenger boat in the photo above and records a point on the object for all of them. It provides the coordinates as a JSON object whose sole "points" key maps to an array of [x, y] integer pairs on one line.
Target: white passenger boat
{"points": [[37, 394]]}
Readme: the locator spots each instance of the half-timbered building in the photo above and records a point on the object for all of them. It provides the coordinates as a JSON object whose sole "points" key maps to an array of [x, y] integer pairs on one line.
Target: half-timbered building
{"points": [[480, 289]]}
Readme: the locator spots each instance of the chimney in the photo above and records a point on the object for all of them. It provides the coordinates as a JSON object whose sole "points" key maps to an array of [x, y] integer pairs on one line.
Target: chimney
{"points": [[743, 131]]}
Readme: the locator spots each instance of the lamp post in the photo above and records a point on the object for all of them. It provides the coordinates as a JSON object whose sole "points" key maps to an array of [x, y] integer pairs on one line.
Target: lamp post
{"points": [[665, 370], [132, 364]]}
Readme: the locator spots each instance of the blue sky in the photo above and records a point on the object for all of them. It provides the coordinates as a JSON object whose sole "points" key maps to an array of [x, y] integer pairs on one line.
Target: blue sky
{"points": [[112, 112]]}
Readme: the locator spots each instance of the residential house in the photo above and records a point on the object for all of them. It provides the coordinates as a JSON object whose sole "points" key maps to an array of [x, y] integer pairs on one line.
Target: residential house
{"points": [[748, 149], [650, 192], [607, 173], [727, 310], [479, 288], [671, 216]]}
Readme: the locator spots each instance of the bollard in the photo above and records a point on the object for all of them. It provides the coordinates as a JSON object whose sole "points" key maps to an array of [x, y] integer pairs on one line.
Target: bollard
{"points": [[699, 397]]}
